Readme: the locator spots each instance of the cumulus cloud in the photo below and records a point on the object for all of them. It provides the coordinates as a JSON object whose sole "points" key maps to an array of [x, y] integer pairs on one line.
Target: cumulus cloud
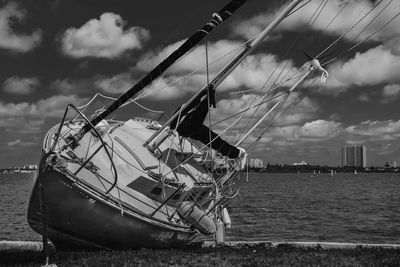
{"points": [[50, 107], [117, 84], [219, 53], [313, 131], [390, 93], [376, 130], [319, 129], [346, 18], [189, 74], [20, 85], [20, 143], [375, 66], [104, 37], [8, 38], [364, 97], [69, 86], [297, 111]]}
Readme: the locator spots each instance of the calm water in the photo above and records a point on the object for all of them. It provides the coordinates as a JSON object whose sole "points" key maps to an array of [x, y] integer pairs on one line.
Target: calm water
{"points": [[278, 207]]}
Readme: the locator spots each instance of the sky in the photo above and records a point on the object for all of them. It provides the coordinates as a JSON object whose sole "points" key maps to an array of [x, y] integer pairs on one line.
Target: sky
{"points": [[57, 52]]}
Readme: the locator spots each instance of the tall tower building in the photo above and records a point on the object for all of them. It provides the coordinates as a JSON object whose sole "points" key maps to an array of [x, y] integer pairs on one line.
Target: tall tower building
{"points": [[354, 156]]}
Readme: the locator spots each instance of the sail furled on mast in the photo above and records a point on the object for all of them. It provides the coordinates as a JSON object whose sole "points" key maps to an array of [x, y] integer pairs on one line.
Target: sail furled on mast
{"points": [[192, 41]]}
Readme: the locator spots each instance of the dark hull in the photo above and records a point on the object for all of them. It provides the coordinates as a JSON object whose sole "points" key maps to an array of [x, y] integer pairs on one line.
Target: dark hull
{"points": [[79, 218]]}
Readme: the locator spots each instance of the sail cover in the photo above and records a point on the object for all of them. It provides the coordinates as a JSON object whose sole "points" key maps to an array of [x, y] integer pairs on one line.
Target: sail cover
{"points": [[192, 41]]}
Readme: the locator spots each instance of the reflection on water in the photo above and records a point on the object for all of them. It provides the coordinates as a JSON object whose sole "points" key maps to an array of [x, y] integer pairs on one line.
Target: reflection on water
{"points": [[277, 207]]}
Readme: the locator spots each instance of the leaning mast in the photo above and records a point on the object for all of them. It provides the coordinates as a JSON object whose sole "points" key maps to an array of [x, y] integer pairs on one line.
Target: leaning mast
{"points": [[223, 74], [219, 17]]}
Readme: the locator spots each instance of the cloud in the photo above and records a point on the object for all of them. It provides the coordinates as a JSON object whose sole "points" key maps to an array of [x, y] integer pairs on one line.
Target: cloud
{"points": [[20, 143], [219, 53], [68, 86], [319, 129], [22, 125], [45, 108], [189, 74], [353, 11], [390, 93], [103, 38], [10, 40], [20, 85], [376, 66], [376, 130], [117, 84], [364, 97], [297, 110]]}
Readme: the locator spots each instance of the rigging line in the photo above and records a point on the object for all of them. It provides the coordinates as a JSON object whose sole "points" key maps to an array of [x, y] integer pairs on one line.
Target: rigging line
{"points": [[300, 7], [172, 142], [372, 20], [319, 13], [348, 30], [274, 120], [182, 17], [318, 10], [145, 94], [254, 98], [254, 113], [289, 51], [270, 86], [113, 99], [240, 112], [291, 48], [208, 97], [252, 145], [362, 41], [333, 19], [203, 147], [294, 43]]}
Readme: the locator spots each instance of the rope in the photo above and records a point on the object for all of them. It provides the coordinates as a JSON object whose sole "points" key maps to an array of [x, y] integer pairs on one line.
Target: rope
{"points": [[333, 19], [208, 98], [288, 52], [275, 118], [319, 10], [145, 94], [348, 30], [204, 146], [362, 41]]}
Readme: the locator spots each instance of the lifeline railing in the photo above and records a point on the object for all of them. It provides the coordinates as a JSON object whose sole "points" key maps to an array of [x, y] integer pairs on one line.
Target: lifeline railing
{"points": [[103, 144]]}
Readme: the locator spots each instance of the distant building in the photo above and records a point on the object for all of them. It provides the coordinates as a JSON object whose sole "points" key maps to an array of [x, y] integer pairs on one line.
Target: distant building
{"points": [[256, 163], [391, 164], [31, 167], [302, 163], [354, 156]]}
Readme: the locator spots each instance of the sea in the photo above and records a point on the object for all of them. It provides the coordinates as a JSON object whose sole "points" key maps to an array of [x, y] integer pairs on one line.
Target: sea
{"points": [[271, 207]]}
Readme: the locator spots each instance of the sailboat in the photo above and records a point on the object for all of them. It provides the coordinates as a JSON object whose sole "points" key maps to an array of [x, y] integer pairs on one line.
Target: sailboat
{"points": [[103, 183]]}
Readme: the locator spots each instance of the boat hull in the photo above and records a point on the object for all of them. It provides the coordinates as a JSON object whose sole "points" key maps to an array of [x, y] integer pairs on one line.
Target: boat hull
{"points": [[76, 218]]}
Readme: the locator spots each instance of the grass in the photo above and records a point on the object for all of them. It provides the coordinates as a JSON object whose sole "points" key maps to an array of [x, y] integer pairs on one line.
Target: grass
{"points": [[246, 256]]}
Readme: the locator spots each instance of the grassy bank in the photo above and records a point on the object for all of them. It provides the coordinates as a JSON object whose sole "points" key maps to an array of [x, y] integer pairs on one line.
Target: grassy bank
{"points": [[247, 256]]}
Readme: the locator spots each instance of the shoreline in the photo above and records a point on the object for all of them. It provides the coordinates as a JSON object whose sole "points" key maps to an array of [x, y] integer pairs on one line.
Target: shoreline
{"points": [[252, 253], [37, 246]]}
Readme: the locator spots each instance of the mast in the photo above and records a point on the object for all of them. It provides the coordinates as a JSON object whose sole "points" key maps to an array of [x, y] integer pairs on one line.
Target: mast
{"points": [[314, 66], [221, 76], [222, 15], [299, 82]]}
